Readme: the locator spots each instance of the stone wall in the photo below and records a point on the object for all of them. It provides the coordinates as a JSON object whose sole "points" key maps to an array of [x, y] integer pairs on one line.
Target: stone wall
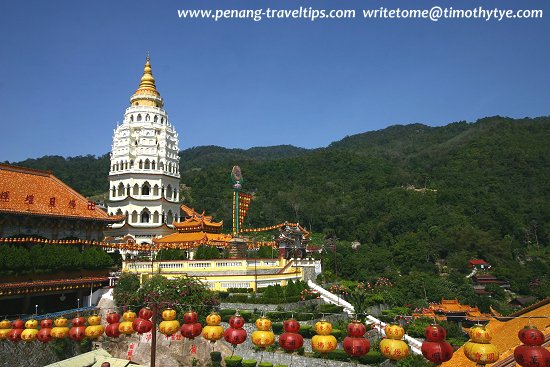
{"points": [[265, 307], [296, 360]]}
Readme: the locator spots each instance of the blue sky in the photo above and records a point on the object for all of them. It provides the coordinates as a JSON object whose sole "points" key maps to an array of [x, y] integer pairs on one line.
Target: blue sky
{"points": [[69, 68]]}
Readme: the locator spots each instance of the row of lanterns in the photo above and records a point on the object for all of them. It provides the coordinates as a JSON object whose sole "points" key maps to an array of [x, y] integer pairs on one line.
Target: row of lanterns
{"points": [[435, 349], [49, 329]]}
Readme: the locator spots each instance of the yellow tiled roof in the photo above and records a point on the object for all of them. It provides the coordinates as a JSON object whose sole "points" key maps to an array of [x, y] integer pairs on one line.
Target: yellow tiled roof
{"points": [[505, 333]]}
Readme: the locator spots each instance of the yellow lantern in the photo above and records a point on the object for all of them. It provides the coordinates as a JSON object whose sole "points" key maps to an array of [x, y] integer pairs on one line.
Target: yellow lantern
{"points": [[213, 331], [394, 349], [480, 334], [213, 319], [31, 329], [5, 324], [61, 322], [169, 314], [263, 337], [169, 327], [59, 332], [263, 323], [5, 328], [31, 324], [126, 327], [394, 331], [94, 320], [323, 342], [323, 327], [479, 348], [94, 329], [129, 316]]}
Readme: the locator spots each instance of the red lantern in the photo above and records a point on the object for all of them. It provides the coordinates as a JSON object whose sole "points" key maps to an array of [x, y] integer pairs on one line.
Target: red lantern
{"points": [[77, 333], [191, 331], [437, 352], [142, 326], [435, 349], [234, 336], [356, 346], [44, 334], [113, 318], [291, 341], [530, 335], [236, 321], [78, 321], [356, 329], [190, 317], [532, 356], [435, 333], [112, 330], [46, 324], [18, 324], [15, 335], [145, 313], [291, 326]]}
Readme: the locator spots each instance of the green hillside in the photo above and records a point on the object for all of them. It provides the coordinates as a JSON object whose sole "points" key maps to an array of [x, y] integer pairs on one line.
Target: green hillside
{"points": [[410, 194]]}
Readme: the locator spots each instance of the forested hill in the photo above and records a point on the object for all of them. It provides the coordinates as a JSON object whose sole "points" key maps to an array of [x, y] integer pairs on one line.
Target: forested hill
{"points": [[481, 188], [410, 194]]}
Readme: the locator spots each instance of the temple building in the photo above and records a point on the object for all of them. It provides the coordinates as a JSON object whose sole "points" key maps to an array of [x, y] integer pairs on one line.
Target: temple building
{"points": [[144, 176], [196, 229], [38, 209]]}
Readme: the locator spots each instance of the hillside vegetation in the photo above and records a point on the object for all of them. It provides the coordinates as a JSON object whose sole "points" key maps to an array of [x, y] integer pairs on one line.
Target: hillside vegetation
{"points": [[410, 194]]}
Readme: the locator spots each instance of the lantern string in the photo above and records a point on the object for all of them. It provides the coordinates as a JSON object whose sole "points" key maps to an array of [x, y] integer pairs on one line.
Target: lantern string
{"points": [[314, 315]]}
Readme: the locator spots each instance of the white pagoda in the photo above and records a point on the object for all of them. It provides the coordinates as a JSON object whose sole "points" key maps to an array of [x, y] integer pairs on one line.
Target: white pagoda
{"points": [[144, 175]]}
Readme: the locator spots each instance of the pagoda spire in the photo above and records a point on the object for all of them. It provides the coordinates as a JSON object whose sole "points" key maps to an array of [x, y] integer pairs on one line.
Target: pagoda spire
{"points": [[147, 90]]}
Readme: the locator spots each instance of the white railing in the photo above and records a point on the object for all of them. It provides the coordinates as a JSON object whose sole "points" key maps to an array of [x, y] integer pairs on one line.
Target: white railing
{"points": [[414, 344]]}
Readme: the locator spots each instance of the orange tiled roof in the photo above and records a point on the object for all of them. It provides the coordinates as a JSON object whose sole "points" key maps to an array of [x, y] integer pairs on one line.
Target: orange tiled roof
{"points": [[191, 239], [34, 192], [450, 305], [196, 222], [505, 333]]}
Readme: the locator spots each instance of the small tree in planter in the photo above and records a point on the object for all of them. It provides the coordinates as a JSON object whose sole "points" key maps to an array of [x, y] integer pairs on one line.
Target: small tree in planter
{"points": [[249, 363], [233, 361], [216, 358]]}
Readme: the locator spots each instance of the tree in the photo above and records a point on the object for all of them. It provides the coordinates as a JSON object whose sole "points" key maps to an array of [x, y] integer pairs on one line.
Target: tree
{"points": [[125, 291]]}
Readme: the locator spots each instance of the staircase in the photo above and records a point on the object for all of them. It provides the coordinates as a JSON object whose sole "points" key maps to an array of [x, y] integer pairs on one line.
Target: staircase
{"points": [[328, 297]]}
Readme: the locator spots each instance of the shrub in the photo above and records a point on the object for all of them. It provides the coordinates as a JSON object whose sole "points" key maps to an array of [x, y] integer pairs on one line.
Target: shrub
{"points": [[339, 334], [307, 331], [374, 357], [265, 364], [277, 327], [238, 298], [216, 356], [249, 363], [233, 361], [338, 355]]}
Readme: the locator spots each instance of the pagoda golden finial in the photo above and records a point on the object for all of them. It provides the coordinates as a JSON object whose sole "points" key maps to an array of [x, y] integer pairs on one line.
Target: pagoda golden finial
{"points": [[147, 93], [147, 80]]}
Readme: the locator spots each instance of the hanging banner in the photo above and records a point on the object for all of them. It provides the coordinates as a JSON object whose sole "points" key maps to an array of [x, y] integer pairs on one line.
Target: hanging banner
{"points": [[244, 203]]}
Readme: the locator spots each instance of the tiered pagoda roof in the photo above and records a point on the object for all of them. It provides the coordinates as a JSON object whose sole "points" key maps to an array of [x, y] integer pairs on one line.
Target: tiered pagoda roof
{"points": [[196, 229]]}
